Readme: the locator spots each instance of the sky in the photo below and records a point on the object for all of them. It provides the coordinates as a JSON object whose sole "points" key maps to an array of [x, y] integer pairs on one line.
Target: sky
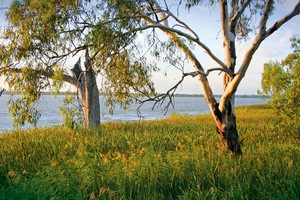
{"points": [[205, 22]]}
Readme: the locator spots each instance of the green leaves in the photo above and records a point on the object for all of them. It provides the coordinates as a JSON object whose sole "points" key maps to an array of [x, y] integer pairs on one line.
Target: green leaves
{"points": [[295, 43], [72, 116], [23, 111], [192, 3], [281, 80], [44, 34], [127, 79], [29, 84], [58, 79], [274, 78]]}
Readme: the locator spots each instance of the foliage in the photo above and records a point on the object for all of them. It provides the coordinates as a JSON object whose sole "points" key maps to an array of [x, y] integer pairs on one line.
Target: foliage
{"points": [[43, 36], [23, 109], [57, 79], [281, 80], [123, 81], [72, 115], [174, 158]]}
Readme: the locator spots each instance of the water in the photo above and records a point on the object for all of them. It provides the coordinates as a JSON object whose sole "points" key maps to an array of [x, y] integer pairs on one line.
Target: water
{"points": [[49, 107]]}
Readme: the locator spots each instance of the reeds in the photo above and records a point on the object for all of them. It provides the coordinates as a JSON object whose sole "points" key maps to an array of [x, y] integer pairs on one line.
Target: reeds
{"points": [[175, 158]]}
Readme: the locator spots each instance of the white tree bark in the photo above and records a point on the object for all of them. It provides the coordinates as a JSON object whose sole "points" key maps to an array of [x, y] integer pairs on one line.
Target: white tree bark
{"points": [[261, 36], [223, 112]]}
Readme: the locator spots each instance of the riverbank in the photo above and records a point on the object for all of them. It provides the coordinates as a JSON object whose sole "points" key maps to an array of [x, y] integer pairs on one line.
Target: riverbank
{"points": [[173, 158]]}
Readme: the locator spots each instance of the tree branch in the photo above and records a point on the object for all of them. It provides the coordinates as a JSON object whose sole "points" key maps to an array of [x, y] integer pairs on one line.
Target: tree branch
{"points": [[237, 15], [48, 74], [232, 86], [164, 26], [174, 34], [195, 73], [265, 17], [74, 52], [160, 99], [184, 25], [224, 19], [228, 37], [283, 20], [189, 37]]}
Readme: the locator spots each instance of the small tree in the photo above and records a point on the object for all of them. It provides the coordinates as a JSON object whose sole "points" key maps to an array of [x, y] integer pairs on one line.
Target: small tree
{"points": [[42, 36], [281, 81]]}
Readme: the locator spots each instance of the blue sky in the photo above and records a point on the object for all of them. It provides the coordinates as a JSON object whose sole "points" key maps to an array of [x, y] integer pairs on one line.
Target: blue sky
{"points": [[206, 24]]}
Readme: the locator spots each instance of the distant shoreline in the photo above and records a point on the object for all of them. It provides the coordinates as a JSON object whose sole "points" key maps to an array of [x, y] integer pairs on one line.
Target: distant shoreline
{"points": [[218, 95], [175, 95]]}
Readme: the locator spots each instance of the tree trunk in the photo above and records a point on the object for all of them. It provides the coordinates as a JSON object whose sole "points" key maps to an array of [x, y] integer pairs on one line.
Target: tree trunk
{"points": [[226, 127], [89, 95], [88, 92]]}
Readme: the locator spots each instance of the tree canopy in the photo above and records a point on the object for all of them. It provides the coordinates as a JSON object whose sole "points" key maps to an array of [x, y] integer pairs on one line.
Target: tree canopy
{"points": [[281, 81], [43, 36]]}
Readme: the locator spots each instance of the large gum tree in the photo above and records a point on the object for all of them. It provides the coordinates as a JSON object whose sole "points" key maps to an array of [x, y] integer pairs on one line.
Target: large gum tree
{"points": [[42, 36], [237, 21]]}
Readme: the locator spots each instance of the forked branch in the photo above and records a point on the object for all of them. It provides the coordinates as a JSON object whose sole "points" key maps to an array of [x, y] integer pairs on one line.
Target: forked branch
{"points": [[160, 99]]}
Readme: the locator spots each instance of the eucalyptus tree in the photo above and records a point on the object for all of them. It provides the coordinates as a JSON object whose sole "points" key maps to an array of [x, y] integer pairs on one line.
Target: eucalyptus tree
{"points": [[237, 22], [43, 36]]}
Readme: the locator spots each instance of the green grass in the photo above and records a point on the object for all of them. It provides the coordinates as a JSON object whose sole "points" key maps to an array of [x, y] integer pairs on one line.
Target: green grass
{"points": [[175, 158]]}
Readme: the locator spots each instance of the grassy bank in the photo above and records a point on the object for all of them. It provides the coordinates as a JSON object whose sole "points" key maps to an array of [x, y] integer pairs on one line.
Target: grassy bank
{"points": [[175, 158]]}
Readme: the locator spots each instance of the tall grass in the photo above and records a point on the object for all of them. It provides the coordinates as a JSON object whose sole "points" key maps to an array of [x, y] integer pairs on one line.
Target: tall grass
{"points": [[174, 158]]}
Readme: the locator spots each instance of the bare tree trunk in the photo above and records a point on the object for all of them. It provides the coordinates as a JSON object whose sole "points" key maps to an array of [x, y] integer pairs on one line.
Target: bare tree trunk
{"points": [[226, 127], [88, 93]]}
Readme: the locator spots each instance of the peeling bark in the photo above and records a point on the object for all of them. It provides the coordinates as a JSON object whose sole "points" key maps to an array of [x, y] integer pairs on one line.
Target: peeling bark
{"points": [[226, 127], [226, 123], [88, 94], [228, 132]]}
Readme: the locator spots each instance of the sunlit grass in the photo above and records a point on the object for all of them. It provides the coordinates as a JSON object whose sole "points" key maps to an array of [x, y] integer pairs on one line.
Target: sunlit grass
{"points": [[174, 158]]}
